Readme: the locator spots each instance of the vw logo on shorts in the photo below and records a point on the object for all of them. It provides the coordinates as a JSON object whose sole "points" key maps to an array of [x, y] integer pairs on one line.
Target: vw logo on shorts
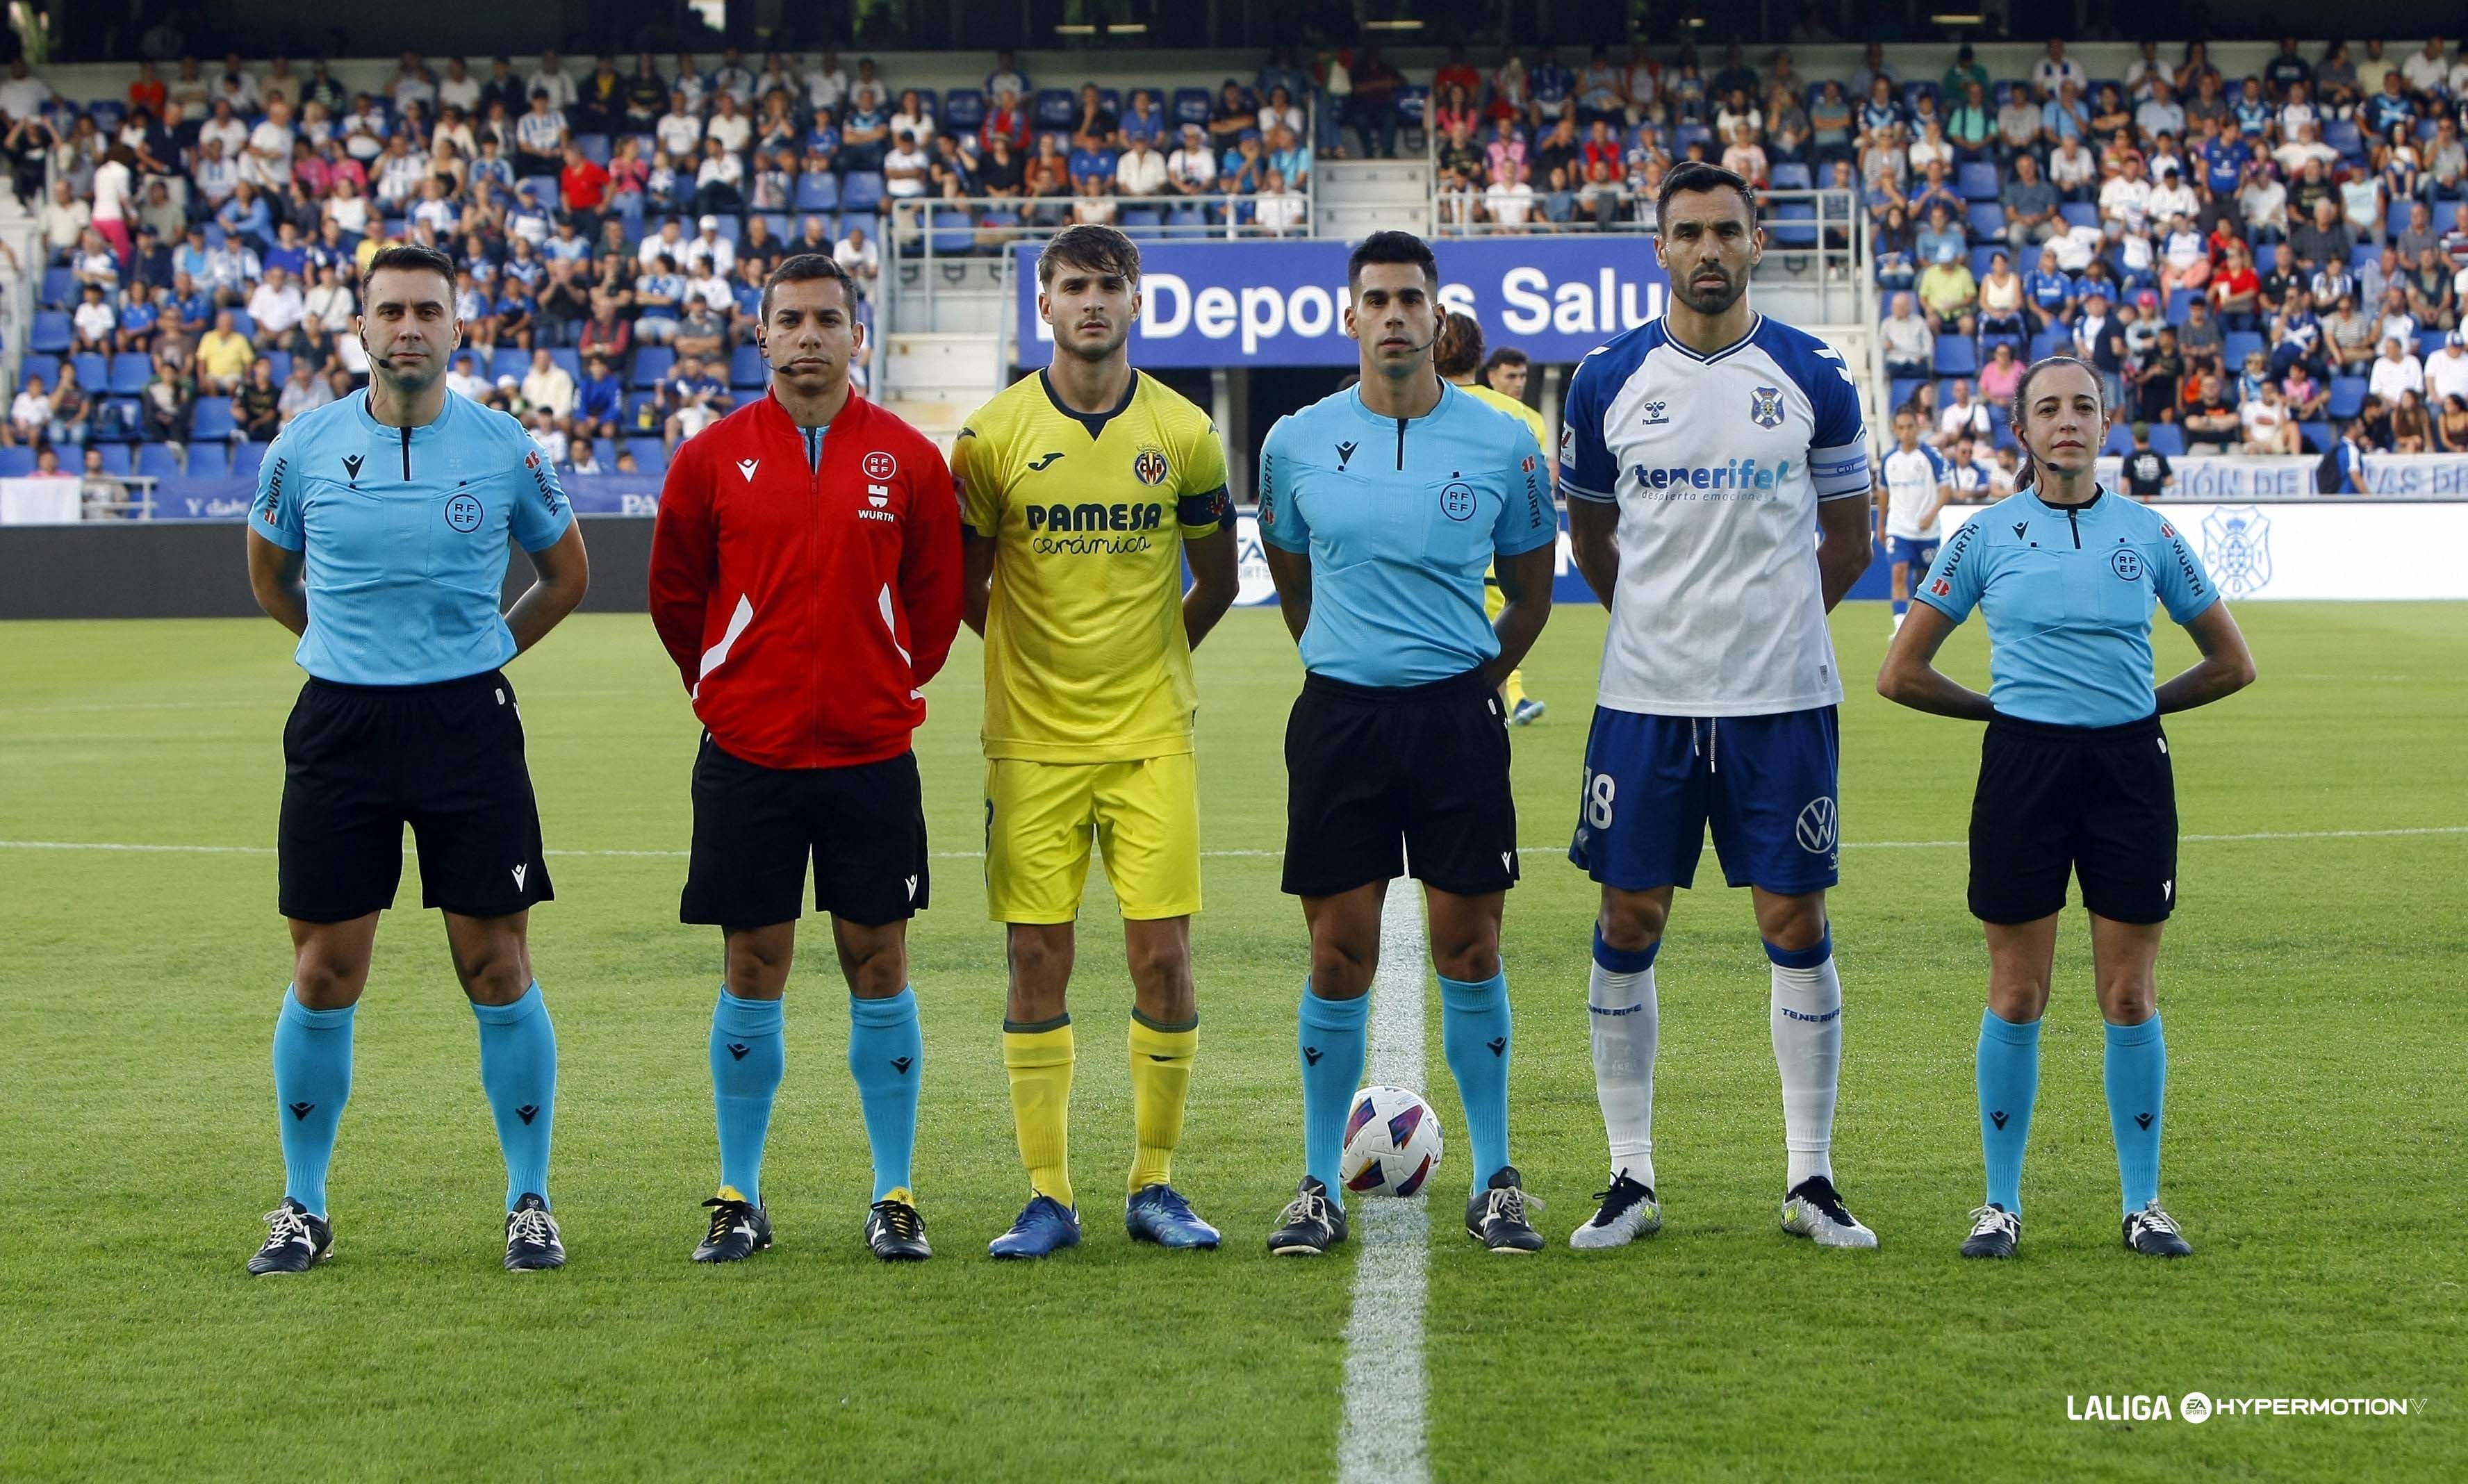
{"points": [[463, 514], [1457, 502], [1816, 825], [2126, 562]]}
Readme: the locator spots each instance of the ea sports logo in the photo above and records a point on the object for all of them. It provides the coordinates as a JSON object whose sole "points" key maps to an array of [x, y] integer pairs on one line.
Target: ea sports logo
{"points": [[2196, 1408], [1815, 826], [879, 465], [1150, 466]]}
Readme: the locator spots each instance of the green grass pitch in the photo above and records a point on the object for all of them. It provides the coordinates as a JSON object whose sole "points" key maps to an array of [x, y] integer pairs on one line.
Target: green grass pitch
{"points": [[2313, 988]]}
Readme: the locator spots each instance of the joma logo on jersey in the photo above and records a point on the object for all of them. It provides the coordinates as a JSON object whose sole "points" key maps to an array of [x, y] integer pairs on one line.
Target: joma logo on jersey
{"points": [[1150, 466], [1764, 407], [1737, 475], [1095, 518]]}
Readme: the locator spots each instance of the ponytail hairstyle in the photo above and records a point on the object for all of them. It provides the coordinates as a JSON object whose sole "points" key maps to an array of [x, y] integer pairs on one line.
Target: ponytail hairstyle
{"points": [[2025, 479]]}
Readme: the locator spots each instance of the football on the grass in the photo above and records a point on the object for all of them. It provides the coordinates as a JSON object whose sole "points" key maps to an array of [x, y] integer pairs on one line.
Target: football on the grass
{"points": [[1392, 1143]]}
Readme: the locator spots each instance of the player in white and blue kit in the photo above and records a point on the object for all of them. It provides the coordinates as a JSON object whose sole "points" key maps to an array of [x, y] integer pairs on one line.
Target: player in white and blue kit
{"points": [[1917, 484], [1702, 454], [379, 536], [1379, 508], [2074, 774]]}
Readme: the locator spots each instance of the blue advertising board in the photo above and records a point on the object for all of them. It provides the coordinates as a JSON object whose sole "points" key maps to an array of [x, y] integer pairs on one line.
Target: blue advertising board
{"points": [[1282, 302]]}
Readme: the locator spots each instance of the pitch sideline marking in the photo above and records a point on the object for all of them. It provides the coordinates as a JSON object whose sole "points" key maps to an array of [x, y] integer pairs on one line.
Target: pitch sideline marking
{"points": [[1386, 1388], [1226, 855]]}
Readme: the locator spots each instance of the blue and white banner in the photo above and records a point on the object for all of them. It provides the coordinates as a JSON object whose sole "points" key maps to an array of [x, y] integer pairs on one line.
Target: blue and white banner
{"points": [[2245, 477], [2321, 548], [228, 498], [1282, 302]]}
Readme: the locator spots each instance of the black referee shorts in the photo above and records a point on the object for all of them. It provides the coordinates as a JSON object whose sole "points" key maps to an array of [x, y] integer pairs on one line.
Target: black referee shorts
{"points": [[2099, 802], [1379, 777], [754, 826], [360, 762]]}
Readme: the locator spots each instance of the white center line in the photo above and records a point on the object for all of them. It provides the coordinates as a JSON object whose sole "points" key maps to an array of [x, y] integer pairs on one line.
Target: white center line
{"points": [[1386, 1389]]}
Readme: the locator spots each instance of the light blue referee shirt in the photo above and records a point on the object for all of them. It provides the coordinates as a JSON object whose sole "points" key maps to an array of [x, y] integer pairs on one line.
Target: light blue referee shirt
{"points": [[403, 534], [2068, 593], [1400, 517]]}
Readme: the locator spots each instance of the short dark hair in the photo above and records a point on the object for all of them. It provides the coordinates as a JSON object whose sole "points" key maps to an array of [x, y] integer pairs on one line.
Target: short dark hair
{"points": [[1459, 349], [1505, 356], [1697, 175], [1391, 247], [412, 257], [806, 268], [1091, 248]]}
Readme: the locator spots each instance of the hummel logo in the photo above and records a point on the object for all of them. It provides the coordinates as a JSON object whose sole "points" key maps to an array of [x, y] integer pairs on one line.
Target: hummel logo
{"points": [[900, 1065], [2142, 1120], [1311, 1056], [1040, 464], [519, 872], [912, 888], [526, 1112], [1498, 1044], [352, 463], [1997, 1118], [738, 1050], [2022, 528], [302, 1110], [1344, 452]]}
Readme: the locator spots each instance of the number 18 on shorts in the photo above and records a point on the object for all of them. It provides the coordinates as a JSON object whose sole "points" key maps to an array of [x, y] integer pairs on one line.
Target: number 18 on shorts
{"points": [[1764, 784]]}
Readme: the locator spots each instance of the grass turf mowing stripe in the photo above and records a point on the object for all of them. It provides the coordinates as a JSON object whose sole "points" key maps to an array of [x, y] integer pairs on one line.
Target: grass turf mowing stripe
{"points": [[1386, 1387]]}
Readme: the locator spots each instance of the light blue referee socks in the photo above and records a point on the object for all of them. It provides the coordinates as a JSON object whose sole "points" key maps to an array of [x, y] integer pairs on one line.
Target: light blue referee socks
{"points": [[312, 1081], [747, 1056], [1474, 1036], [2009, 1083], [518, 1071], [2138, 1085], [886, 1055], [1332, 1043]]}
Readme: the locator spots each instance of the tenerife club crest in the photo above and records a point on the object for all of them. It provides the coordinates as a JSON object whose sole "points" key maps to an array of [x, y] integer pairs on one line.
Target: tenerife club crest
{"points": [[1764, 407], [2236, 547], [1150, 466]]}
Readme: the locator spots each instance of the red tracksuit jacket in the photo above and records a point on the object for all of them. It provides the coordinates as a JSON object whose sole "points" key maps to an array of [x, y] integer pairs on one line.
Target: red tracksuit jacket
{"points": [[805, 607]]}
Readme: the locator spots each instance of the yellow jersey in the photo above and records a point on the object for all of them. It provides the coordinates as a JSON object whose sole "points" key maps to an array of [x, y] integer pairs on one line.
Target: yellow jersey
{"points": [[1511, 405], [1086, 657]]}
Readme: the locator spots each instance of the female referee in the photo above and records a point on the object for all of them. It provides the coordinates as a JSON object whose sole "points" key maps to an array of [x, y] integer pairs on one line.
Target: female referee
{"points": [[2074, 773]]}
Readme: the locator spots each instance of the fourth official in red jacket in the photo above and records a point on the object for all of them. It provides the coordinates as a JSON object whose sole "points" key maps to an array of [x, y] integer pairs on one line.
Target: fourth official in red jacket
{"points": [[805, 579]]}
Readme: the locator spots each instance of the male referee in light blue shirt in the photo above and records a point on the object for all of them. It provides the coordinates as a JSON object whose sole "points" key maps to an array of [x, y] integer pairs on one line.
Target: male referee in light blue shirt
{"points": [[1379, 508], [379, 537]]}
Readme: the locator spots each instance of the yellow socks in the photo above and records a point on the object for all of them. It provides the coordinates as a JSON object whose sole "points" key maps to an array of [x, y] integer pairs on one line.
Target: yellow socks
{"points": [[1038, 1059], [1160, 1083]]}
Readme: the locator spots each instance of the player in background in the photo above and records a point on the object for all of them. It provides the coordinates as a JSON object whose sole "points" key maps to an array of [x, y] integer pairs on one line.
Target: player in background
{"points": [[806, 581], [2074, 774], [379, 537], [1917, 484], [1379, 508], [1704, 454], [2148, 474], [1082, 489], [1458, 358]]}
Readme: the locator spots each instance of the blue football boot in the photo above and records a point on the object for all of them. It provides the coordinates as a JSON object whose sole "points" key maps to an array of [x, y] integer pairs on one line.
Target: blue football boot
{"points": [[1159, 1214], [1045, 1226]]}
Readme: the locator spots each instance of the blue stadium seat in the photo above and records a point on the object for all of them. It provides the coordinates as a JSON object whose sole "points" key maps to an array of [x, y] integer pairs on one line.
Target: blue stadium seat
{"points": [[1904, 389], [2178, 299], [213, 421], [115, 422], [2362, 253], [1955, 357], [109, 114], [964, 110], [1191, 106], [2053, 341], [1914, 92], [93, 370], [1142, 222], [115, 459], [817, 191], [2079, 214], [1987, 221], [1110, 99], [1413, 108], [1976, 181], [862, 191], [1991, 340], [129, 371], [872, 224], [2238, 345], [208, 460], [605, 450], [1790, 175], [745, 367], [546, 185], [2344, 135], [1979, 258], [2396, 220], [2429, 344], [508, 361], [2169, 439], [47, 367], [953, 232], [59, 288], [1056, 108], [1185, 222], [651, 363], [245, 324], [2120, 441], [156, 461], [568, 358], [776, 223], [1794, 225], [2348, 397], [649, 454], [246, 458], [16, 462], [51, 333], [1687, 134], [595, 148], [2317, 437]]}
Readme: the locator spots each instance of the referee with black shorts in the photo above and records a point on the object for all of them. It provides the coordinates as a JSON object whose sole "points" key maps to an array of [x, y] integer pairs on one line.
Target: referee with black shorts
{"points": [[378, 535], [1379, 508], [2074, 772]]}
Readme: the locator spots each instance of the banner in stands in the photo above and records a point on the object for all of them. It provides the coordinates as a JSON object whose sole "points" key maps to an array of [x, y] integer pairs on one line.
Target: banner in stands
{"points": [[2323, 547], [1282, 302], [2240, 477]]}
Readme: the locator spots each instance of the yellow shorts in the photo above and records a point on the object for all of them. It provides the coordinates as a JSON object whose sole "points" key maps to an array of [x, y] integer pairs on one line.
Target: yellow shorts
{"points": [[1041, 816]]}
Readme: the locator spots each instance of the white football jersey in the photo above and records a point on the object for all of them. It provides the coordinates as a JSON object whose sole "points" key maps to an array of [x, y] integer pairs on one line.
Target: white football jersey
{"points": [[1912, 481], [1717, 464]]}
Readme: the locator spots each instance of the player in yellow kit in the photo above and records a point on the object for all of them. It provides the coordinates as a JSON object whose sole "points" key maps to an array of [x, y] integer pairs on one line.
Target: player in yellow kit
{"points": [[1082, 489], [1458, 358]]}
